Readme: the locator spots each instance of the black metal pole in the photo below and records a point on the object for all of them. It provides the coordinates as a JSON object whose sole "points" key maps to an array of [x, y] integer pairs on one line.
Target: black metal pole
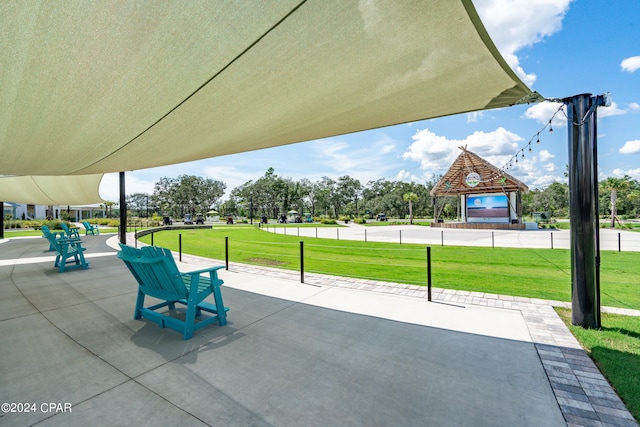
{"points": [[152, 239], [251, 209], [551, 239], [123, 212], [585, 296], [1, 220], [301, 261], [619, 243], [428, 273], [400, 236], [180, 246], [226, 252]]}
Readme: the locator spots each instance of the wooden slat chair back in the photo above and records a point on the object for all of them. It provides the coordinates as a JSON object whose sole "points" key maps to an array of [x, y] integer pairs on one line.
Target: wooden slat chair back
{"points": [[67, 251], [158, 276], [56, 234]]}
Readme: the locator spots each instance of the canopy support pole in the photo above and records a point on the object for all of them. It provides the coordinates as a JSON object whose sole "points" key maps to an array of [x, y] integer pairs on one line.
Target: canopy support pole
{"points": [[583, 198], [1, 220], [123, 212]]}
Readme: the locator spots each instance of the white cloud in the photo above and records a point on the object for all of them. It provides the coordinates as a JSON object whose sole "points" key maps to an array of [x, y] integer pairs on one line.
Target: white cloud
{"points": [[363, 161], [631, 147], [630, 64], [543, 111], [550, 167], [110, 186], [514, 24], [474, 116], [388, 148], [545, 156], [633, 173], [436, 153], [634, 106], [613, 110]]}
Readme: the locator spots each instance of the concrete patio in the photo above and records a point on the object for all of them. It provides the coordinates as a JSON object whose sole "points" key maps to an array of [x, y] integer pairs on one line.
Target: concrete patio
{"points": [[330, 351]]}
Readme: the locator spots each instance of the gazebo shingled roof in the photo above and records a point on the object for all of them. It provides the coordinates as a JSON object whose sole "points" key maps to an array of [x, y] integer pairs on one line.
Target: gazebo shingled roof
{"points": [[492, 179]]}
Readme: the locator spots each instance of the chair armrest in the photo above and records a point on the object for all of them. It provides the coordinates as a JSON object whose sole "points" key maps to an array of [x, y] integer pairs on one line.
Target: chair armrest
{"points": [[204, 270], [68, 240]]}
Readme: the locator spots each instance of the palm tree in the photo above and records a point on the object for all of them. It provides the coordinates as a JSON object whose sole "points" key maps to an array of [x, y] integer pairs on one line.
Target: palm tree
{"points": [[410, 197], [614, 185]]}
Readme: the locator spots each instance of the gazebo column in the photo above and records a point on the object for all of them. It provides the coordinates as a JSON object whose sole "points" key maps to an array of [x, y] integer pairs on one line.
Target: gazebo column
{"points": [[513, 203], [463, 207]]}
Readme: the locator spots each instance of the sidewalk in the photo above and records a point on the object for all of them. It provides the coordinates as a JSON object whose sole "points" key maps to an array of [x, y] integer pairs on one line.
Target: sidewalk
{"points": [[354, 352]]}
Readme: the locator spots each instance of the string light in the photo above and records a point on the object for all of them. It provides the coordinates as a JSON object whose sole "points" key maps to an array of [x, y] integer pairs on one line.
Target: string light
{"points": [[520, 152]]}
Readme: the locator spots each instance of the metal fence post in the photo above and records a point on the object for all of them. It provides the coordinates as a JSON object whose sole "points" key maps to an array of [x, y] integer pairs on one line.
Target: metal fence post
{"points": [[226, 252], [180, 246], [301, 261], [428, 273]]}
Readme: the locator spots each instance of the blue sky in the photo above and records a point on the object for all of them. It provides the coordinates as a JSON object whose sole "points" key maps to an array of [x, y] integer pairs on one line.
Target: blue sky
{"points": [[560, 48]]}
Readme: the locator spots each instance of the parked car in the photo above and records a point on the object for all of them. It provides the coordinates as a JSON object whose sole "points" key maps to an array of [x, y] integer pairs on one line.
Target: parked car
{"points": [[381, 217]]}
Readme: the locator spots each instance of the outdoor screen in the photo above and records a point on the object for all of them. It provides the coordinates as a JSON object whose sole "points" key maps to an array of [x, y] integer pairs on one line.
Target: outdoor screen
{"points": [[487, 206]]}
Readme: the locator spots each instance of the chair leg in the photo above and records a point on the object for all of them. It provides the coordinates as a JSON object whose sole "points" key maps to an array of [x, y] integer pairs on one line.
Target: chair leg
{"points": [[137, 314], [190, 320], [222, 313]]}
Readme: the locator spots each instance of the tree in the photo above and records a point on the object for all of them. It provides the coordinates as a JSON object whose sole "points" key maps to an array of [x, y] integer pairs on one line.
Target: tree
{"points": [[138, 202], [186, 194], [614, 185], [410, 197], [347, 192]]}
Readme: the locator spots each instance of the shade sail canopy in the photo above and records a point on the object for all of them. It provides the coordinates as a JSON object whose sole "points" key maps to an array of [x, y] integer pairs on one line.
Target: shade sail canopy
{"points": [[51, 190], [93, 87], [471, 174]]}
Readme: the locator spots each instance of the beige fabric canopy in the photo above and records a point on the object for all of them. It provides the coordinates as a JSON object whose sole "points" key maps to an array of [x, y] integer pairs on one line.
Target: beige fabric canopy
{"points": [[490, 178], [51, 190], [92, 87]]}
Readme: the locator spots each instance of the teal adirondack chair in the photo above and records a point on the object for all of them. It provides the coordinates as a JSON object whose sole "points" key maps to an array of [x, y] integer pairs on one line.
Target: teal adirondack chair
{"points": [[71, 232], [158, 276], [67, 251], [56, 234], [90, 229]]}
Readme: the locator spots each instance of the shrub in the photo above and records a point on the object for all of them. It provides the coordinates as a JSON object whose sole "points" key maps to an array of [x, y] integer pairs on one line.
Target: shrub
{"points": [[327, 221]]}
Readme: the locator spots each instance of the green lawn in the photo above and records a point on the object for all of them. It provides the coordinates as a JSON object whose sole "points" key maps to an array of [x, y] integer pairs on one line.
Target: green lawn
{"points": [[537, 273], [615, 348]]}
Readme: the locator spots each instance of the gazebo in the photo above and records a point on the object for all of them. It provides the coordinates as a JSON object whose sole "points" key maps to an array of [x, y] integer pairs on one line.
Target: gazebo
{"points": [[489, 197]]}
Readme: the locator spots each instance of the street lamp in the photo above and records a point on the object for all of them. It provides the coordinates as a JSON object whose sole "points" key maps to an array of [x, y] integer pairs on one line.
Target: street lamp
{"points": [[251, 207]]}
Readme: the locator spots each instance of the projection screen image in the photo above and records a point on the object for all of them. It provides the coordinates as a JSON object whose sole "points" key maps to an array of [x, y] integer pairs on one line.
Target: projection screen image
{"points": [[487, 206]]}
